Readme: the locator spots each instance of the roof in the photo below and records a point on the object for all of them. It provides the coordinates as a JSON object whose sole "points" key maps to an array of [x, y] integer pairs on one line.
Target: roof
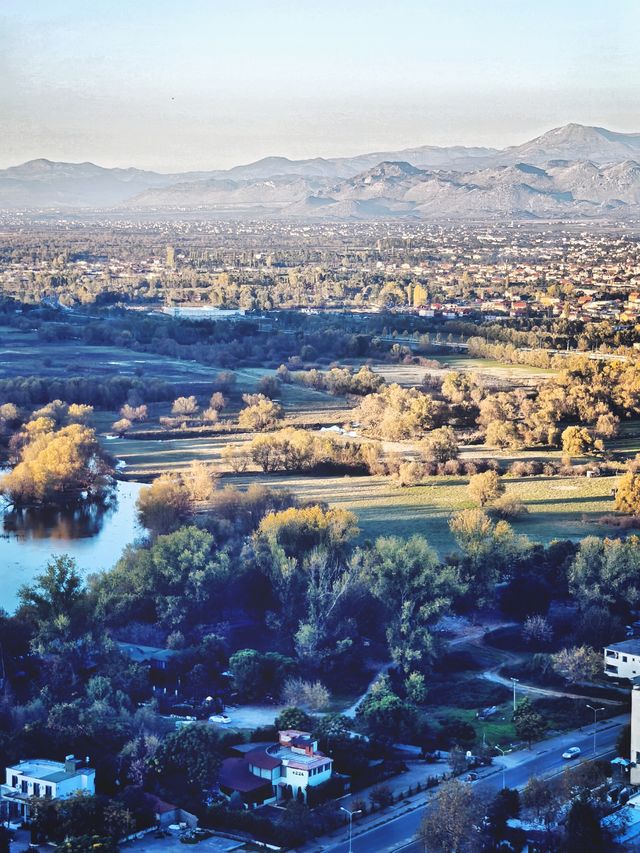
{"points": [[141, 654], [630, 646], [235, 775], [261, 758], [49, 771]]}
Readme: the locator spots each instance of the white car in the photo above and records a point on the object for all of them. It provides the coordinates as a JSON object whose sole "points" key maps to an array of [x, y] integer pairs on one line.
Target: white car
{"points": [[219, 718], [572, 752]]}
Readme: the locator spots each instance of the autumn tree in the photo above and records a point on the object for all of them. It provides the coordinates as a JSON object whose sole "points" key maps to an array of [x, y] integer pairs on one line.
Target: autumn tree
{"points": [[628, 493], [485, 487], [164, 505], [260, 413], [577, 664], [577, 441], [440, 445], [185, 407], [453, 823], [56, 465]]}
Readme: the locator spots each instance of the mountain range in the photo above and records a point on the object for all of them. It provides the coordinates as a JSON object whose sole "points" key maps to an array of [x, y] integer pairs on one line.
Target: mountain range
{"points": [[571, 171]]}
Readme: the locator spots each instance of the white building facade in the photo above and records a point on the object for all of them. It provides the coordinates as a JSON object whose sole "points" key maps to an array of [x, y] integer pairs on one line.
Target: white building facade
{"points": [[39, 777], [622, 660]]}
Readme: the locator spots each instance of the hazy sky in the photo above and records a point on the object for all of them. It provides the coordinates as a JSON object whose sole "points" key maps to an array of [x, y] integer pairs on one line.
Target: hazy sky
{"points": [[196, 84]]}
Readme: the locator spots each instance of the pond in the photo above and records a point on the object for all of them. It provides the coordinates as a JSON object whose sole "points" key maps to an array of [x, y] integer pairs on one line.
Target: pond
{"points": [[93, 534]]}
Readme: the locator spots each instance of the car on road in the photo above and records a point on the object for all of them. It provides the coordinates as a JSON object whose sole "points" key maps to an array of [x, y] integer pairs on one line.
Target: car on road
{"points": [[572, 752], [219, 718]]}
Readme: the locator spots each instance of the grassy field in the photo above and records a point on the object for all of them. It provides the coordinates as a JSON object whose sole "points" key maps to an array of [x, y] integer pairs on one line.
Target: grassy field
{"points": [[559, 508]]}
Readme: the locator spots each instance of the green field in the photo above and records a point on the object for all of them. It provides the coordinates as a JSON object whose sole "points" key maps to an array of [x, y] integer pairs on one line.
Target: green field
{"points": [[559, 508]]}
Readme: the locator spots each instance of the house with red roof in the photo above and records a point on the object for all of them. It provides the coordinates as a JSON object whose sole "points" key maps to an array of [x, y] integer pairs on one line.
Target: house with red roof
{"points": [[268, 773]]}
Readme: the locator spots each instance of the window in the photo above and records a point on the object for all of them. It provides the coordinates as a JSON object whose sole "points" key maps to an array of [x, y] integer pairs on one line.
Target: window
{"points": [[14, 781], [36, 789], [48, 791], [624, 658], [24, 786]]}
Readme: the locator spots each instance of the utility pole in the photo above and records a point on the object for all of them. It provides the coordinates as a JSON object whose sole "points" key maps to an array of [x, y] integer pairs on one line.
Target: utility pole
{"points": [[502, 752], [351, 814], [595, 723], [514, 681]]}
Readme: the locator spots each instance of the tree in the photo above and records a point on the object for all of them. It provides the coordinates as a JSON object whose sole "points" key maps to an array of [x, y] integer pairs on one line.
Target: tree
{"points": [[236, 457], [485, 487], [488, 549], [165, 505], [260, 413], [505, 805], [185, 406], [528, 723], [440, 445], [415, 590], [537, 629], [508, 507], [201, 481], [217, 401], [293, 718], [312, 694], [187, 763], [57, 465], [396, 413], [55, 601], [576, 441], [256, 675], [121, 426], [540, 795], [606, 572], [628, 493], [579, 663], [583, 830], [384, 713], [453, 823], [502, 435]]}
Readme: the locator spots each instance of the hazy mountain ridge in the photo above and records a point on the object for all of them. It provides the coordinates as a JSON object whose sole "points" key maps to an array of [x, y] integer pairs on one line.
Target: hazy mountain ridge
{"points": [[569, 171]]}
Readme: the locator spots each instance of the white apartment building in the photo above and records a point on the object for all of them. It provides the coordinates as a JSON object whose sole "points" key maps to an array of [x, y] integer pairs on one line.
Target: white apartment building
{"points": [[622, 660], [39, 777]]}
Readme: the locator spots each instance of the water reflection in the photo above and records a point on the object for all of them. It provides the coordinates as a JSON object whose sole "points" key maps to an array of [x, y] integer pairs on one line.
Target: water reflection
{"points": [[93, 533], [76, 520]]}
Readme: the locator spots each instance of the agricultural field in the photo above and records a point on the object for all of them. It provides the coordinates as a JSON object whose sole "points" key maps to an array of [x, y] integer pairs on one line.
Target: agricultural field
{"points": [[489, 372]]}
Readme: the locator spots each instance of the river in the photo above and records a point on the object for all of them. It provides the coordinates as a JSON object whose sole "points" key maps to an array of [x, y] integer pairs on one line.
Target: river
{"points": [[93, 535]]}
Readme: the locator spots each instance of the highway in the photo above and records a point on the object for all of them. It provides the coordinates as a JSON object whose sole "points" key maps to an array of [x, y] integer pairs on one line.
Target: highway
{"points": [[545, 759]]}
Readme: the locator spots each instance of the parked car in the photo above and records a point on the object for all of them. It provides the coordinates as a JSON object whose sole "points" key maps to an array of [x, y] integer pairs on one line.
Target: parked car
{"points": [[219, 718], [572, 752]]}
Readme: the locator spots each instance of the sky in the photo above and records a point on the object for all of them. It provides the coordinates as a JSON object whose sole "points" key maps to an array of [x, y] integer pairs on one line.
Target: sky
{"points": [[203, 84]]}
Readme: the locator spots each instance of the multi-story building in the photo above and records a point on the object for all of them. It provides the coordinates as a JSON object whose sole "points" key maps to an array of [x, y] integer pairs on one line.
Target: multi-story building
{"points": [[39, 777], [622, 660], [278, 771]]}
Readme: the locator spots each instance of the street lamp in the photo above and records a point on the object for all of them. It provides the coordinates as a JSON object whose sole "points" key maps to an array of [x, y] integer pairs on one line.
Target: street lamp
{"points": [[502, 752], [595, 723], [514, 681], [351, 814]]}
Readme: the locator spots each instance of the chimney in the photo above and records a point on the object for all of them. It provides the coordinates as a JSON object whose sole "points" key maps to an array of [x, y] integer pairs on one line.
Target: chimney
{"points": [[70, 764]]}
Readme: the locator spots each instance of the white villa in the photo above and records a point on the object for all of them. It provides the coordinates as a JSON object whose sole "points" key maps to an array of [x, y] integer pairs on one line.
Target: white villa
{"points": [[272, 772], [39, 777]]}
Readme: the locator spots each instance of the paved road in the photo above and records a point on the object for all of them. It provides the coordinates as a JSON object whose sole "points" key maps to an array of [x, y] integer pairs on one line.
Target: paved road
{"points": [[544, 759]]}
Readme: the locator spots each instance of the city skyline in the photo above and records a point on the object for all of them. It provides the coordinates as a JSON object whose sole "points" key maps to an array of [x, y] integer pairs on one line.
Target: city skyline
{"points": [[213, 87]]}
